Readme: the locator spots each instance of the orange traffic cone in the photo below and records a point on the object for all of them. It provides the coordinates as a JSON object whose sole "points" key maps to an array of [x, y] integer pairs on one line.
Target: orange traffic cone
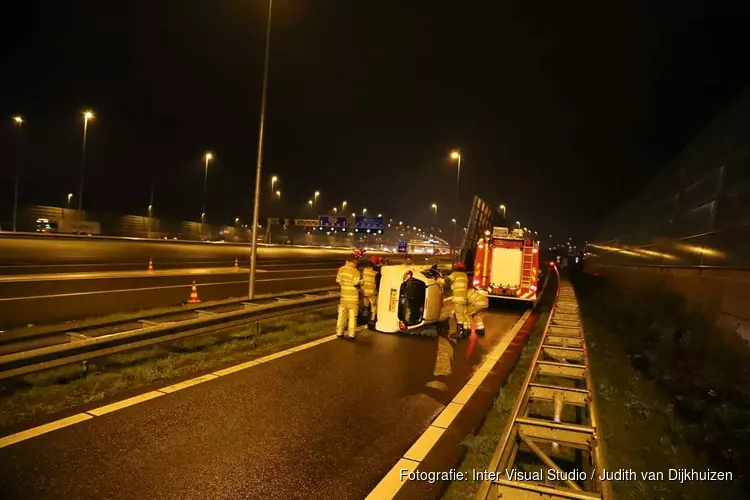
{"points": [[150, 264], [236, 264], [194, 295]]}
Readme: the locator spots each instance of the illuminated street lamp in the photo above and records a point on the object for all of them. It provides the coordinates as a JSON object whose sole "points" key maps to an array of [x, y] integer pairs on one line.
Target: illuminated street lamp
{"points": [[18, 121], [453, 242], [364, 211], [87, 115], [208, 157], [502, 207], [259, 163], [278, 202], [343, 206], [310, 203], [274, 180], [518, 223], [335, 210], [315, 197]]}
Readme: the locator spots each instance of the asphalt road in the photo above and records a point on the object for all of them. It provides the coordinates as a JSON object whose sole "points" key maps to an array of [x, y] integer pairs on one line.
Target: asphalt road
{"points": [[326, 422], [51, 298], [29, 255]]}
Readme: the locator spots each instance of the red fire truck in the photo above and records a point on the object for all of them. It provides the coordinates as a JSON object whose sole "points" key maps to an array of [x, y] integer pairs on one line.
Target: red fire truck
{"points": [[507, 264]]}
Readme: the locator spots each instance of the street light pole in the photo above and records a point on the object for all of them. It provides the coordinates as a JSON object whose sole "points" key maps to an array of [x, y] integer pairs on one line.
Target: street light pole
{"points": [[19, 122], [259, 164], [150, 210], [457, 156], [208, 158], [87, 115]]}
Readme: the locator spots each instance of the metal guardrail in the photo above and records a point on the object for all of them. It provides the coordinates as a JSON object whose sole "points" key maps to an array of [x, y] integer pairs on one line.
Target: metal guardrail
{"points": [[552, 446], [82, 348]]}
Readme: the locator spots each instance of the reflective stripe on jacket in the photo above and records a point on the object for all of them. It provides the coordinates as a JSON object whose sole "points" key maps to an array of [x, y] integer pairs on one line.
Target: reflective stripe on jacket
{"points": [[369, 287], [459, 285], [348, 277]]}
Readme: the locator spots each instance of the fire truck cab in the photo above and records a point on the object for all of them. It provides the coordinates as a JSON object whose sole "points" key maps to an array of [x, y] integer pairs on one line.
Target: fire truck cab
{"points": [[506, 264]]}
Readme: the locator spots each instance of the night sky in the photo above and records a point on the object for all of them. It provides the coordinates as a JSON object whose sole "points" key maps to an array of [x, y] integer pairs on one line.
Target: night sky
{"points": [[560, 109]]}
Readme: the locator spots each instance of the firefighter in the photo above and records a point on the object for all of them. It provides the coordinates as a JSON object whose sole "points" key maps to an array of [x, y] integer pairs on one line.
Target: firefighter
{"points": [[477, 301], [348, 277], [459, 283], [407, 261], [369, 288]]}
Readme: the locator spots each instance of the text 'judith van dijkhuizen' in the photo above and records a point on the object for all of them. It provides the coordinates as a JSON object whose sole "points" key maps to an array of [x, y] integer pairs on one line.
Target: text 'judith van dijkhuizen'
{"points": [[551, 475]]}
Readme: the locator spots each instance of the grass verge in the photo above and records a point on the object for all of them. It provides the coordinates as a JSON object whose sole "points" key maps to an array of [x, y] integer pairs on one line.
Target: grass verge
{"points": [[48, 392], [480, 447], [673, 394]]}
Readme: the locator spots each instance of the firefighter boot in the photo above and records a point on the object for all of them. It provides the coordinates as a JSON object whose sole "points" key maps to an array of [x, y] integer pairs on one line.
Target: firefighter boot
{"points": [[479, 325]]}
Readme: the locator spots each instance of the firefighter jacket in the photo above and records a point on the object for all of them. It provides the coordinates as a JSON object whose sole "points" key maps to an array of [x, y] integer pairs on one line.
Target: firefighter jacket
{"points": [[348, 278], [478, 300], [459, 285], [369, 285]]}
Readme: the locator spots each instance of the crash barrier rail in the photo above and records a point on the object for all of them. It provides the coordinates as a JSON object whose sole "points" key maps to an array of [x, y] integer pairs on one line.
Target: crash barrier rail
{"points": [[21, 335], [552, 446], [82, 348]]}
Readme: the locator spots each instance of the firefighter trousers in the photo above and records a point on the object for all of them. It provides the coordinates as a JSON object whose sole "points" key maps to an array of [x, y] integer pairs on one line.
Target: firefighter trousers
{"points": [[371, 302], [478, 322], [462, 314], [347, 315]]}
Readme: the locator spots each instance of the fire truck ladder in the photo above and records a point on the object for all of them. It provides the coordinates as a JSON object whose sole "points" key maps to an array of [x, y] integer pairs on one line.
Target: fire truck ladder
{"points": [[528, 263], [554, 438]]}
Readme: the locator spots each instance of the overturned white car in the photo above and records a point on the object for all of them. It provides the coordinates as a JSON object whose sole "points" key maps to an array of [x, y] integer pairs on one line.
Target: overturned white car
{"points": [[410, 300]]}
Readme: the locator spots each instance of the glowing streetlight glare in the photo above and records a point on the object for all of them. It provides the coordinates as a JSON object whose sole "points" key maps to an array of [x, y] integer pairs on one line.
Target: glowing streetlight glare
{"points": [[88, 115], [310, 202], [18, 120], [274, 179], [453, 221], [209, 156], [278, 194], [455, 155], [364, 211]]}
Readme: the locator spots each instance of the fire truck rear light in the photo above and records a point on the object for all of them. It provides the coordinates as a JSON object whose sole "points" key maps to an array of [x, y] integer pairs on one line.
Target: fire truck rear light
{"points": [[533, 288], [536, 250], [476, 282], [481, 246]]}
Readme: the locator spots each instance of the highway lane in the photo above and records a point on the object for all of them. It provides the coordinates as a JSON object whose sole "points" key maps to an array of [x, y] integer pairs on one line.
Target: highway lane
{"points": [[42, 299], [19, 255], [325, 422]]}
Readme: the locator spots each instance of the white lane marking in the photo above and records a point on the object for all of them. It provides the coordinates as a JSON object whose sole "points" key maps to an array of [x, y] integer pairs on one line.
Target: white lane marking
{"points": [[464, 394], [424, 444], [42, 429], [392, 482], [103, 410], [234, 369], [164, 287], [188, 383], [477, 379], [448, 414]]}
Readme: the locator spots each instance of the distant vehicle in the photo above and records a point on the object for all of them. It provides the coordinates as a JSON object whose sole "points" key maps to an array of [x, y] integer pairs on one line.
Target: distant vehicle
{"points": [[411, 301], [67, 226], [506, 264]]}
